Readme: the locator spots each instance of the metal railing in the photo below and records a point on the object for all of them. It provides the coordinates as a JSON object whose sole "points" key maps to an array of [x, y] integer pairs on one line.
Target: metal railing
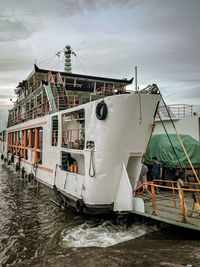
{"points": [[177, 196], [104, 91], [176, 110], [73, 138], [45, 108], [35, 85]]}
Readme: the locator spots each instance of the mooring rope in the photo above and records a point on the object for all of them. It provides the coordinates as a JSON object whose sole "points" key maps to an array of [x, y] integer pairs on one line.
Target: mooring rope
{"points": [[91, 167]]}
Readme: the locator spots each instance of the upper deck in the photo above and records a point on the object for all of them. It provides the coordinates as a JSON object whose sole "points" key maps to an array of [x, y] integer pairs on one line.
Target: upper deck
{"points": [[46, 91]]}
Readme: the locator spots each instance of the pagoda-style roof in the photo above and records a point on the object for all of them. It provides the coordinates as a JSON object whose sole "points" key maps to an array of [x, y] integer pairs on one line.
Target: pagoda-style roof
{"points": [[81, 76]]}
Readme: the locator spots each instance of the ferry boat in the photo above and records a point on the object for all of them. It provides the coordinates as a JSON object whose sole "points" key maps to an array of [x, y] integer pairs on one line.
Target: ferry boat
{"points": [[81, 136]]}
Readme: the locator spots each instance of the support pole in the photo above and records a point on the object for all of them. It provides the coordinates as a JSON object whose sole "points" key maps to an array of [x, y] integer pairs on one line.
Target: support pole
{"points": [[25, 144], [153, 199], [136, 86], [36, 144], [30, 138]]}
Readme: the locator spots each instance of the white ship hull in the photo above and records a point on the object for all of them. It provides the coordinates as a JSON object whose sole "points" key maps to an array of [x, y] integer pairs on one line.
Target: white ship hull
{"points": [[120, 141]]}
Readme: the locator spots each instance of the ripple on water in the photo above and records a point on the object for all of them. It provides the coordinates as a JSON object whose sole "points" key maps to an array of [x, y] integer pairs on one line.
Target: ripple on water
{"points": [[31, 226]]}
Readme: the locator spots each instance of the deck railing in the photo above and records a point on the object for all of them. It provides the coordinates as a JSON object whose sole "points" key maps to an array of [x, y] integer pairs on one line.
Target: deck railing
{"points": [[176, 110], [73, 138], [104, 91], [45, 108], [177, 196], [35, 85]]}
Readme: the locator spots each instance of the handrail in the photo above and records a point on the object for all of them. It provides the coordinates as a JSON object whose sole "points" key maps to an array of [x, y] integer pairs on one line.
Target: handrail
{"points": [[179, 190], [44, 109], [69, 137], [179, 110]]}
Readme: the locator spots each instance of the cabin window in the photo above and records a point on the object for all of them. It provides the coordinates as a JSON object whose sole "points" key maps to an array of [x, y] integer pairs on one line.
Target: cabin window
{"points": [[24, 144], [38, 145], [32, 138], [54, 131], [72, 162], [73, 130]]}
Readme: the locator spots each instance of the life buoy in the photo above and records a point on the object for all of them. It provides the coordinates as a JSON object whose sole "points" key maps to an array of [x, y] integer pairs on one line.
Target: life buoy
{"points": [[101, 110], [79, 206]]}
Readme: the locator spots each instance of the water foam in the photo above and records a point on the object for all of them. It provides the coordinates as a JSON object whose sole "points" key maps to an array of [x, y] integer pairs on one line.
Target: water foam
{"points": [[102, 234]]}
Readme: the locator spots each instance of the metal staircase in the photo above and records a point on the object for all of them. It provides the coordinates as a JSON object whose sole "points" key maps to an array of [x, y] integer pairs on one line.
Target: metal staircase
{"points": [[54, 136], [60, 99]]}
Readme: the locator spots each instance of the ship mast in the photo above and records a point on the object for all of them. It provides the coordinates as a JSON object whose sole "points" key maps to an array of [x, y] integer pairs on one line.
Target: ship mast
{"points": [[68, 52]]}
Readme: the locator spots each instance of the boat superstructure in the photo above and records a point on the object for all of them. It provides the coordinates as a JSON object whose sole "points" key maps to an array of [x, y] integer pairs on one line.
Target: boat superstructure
{"points": [[83, 136]]}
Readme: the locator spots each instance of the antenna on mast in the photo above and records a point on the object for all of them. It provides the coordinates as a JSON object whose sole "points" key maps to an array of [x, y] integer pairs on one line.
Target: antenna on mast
{"points": [[68, 52], [136, 86]]}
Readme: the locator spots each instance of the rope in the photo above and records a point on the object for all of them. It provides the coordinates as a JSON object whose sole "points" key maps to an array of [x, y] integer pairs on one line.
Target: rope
{"points": [[140, 103], [145, 153], [101, 66], [91, 167], [152, 130], [191, 165]]}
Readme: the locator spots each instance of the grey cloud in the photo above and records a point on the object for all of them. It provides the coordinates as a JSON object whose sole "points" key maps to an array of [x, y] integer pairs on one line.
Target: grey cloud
{"points": [[15, 57], [93, 4], [14, 30], [39, 8]]}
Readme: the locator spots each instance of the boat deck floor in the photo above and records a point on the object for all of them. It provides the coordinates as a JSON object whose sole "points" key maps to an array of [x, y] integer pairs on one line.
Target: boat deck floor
{"points": [[168, 209]]}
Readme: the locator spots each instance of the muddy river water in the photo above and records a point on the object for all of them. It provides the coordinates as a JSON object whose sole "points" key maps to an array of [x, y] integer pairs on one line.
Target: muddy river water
{"points": [[35, 232]]}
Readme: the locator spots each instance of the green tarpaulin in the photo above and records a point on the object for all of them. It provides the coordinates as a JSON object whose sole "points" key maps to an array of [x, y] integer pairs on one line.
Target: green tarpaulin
{"points": [[160, 147]]}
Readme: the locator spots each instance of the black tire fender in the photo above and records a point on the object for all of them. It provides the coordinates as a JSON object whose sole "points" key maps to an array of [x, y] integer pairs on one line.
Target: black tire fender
{"points": [[12, 157], [30, 176], [17, 167], [101, 110], [2, 157], [80, 206], [23, 171]]}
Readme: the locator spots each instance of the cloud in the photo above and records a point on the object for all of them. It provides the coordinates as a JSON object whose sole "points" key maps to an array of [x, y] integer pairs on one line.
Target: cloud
{"points": [[13, 30], [110, 37], [94, 4]]}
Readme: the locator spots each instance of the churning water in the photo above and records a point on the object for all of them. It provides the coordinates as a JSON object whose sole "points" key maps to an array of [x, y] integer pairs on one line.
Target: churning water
{"points": [[31, 225], [102, 234]]}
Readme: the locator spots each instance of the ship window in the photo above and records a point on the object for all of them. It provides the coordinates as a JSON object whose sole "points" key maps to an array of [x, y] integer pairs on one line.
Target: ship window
{"points": [[40, 138], [72, 162], [33, 138], [54, 132], [38, 145], [73, 130]]}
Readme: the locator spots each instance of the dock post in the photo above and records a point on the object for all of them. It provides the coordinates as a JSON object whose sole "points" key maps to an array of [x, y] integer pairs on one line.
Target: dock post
{"points": [[174, 195], [153, 199], [183, 207]]}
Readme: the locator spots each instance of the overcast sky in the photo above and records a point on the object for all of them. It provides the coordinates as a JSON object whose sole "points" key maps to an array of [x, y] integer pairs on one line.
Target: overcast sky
{"points": [[110, 37]]}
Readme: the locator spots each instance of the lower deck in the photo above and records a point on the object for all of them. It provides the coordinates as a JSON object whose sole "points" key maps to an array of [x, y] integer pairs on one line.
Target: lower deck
{"points": [[172, 204]]}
